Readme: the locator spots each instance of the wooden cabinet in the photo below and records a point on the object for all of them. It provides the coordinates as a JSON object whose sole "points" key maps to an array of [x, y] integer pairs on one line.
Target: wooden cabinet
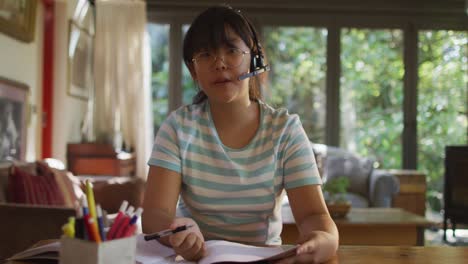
{"points": [[99, 159], [412, 195]]}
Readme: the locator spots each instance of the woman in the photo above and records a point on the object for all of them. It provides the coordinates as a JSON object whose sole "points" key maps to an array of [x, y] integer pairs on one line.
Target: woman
{"points": [[230, 156]]}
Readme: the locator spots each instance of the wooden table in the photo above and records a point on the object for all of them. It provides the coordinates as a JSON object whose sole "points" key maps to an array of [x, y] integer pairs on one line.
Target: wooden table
{"points": [[385, 255], [395, 254], [370, 226]]}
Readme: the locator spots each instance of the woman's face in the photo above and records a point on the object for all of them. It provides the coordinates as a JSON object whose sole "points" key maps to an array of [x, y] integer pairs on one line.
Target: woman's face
{"points": [[219, 80]]}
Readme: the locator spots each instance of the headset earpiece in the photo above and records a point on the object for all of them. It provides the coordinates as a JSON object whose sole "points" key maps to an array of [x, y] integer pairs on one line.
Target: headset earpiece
{"points": [[253, 62], [257, 60]]}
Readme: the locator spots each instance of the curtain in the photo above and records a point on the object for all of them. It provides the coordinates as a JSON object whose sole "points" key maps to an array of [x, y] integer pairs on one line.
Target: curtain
{"points": [[122, 77]]}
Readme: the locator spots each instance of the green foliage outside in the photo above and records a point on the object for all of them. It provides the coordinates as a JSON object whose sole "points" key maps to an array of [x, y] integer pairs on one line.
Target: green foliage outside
{"points": [[298, 74], [189, 88], [159, 42], [442, 100], [371, 92]]}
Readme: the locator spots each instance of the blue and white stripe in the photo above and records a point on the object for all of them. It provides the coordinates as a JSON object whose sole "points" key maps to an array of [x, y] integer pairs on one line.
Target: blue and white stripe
{"points": [[235, 194]]}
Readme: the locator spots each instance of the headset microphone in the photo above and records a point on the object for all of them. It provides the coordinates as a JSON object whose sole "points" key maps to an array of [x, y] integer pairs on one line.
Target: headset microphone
{"points": [[254, 73], [257, 60]]}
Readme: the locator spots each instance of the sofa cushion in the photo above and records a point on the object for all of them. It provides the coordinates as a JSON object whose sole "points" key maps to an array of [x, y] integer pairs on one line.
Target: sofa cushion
{"points": [[341, 163], [28, 188], [66, 187], [5, 169], [69, 185]]}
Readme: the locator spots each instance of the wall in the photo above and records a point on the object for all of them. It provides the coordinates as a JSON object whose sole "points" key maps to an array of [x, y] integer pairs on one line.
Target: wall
{"points": [[68, 111], [22, 62]]}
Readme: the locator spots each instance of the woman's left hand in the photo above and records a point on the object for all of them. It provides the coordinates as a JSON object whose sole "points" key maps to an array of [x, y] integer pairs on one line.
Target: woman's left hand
{"points": [[316, 247]]}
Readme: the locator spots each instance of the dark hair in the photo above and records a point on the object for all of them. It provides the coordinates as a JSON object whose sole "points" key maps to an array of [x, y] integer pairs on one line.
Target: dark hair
{"points": [[208, 31]]}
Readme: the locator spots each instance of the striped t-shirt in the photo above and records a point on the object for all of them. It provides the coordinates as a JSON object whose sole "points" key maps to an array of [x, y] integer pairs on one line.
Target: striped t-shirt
{"points": [[235, 194]]}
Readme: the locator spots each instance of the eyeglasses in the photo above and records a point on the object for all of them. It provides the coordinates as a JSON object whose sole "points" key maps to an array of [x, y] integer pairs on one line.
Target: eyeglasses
{"points": [[232, 57]]}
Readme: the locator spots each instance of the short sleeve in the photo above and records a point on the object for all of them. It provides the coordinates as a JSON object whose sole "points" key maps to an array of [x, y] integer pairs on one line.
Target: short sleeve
{"points": [[299, 167], [166, 149]]}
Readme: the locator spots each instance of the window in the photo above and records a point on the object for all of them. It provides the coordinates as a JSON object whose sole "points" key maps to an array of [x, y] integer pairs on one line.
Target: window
{"points": [[371, 90], [442, 99], [189, 88], [159, 39], [297, 56]]}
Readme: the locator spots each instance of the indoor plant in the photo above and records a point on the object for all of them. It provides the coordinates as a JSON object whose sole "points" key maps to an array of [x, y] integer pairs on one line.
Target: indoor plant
{"points": [[335, 196]]}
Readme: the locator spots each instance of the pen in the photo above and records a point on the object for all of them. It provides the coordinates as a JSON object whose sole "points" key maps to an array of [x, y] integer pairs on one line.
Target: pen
{"points": [[100, 222], [121, 213], [84, 204], [81, 220], [87, 226], [131, 227], [79, 225], [166, 232], [125, 222]]}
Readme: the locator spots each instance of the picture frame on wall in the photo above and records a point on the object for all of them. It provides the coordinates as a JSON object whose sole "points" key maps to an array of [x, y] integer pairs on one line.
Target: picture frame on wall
{"points": [[13, 119], [80, 62], [18, 19]]}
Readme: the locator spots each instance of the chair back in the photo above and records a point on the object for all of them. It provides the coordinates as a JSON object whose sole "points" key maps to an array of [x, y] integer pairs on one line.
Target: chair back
{"points": [[456, 183]]}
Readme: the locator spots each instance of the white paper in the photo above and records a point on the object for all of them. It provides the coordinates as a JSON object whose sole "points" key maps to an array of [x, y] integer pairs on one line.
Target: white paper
{"points": [[224, 251], [153, 252]]}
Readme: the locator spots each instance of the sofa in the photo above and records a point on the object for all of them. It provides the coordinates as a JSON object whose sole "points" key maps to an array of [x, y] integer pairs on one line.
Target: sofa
{"points": [[368, 186], [30, 213]]}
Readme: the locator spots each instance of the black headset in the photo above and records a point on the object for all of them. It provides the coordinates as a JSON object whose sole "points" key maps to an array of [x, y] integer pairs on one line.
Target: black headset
{"points": [[257, 59]]}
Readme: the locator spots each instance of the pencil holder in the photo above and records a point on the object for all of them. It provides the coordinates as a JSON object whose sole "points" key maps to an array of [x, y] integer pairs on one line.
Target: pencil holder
{"points": [[78, 251]]}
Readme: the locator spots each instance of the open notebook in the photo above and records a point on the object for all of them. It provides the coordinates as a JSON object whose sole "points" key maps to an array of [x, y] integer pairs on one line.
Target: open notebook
{"points": [[44, 249], [218, 251], [152, 252]]}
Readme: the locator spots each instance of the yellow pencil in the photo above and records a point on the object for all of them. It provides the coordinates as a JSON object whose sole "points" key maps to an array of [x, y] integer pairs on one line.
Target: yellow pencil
{"points": [[91, 203]]}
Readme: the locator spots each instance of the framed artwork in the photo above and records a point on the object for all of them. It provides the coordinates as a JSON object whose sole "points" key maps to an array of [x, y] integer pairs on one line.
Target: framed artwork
{"points": [[18, 18], [80, 62], [13, 119]]}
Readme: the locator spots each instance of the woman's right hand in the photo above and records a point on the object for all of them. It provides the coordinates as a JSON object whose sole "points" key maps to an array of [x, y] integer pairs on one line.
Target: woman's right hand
{"points": [[190, 244]]}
